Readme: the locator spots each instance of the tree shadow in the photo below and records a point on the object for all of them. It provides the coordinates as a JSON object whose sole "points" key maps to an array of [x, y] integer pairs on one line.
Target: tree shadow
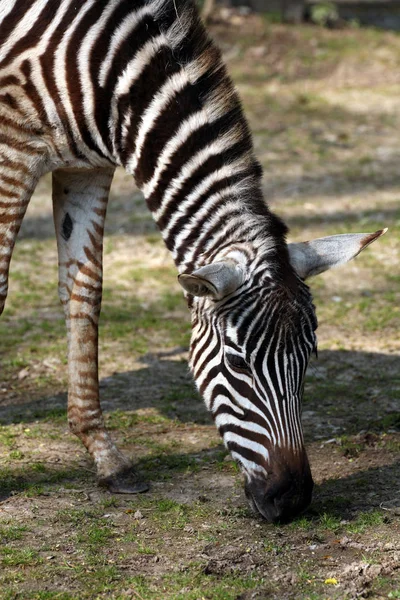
{"points": [[341, 499], [345, 392], [362, 491]]}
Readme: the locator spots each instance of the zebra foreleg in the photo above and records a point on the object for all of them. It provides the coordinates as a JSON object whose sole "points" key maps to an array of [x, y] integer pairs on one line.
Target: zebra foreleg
{"points": [[18, 178], [80, 201]]}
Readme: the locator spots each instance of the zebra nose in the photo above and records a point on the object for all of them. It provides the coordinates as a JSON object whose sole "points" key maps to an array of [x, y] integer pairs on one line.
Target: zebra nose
{"points": [[280, 497]]}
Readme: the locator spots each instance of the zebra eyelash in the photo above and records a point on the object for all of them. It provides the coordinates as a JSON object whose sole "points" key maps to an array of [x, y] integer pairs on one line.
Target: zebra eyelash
{"points": [[237, 363]]}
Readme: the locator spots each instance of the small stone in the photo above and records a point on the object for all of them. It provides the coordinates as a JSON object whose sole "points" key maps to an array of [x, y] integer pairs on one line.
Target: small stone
{"points": [[345, 540], [23, 374], [138, 515]]}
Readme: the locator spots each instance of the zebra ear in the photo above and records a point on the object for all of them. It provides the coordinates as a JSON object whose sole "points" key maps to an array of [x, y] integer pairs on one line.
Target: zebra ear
{"points": [[216, 280], [316, 256]]}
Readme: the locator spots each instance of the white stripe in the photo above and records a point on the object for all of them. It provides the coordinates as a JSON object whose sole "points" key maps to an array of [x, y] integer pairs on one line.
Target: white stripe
{"points": [[199, 190], [24, 25], [223, 213], [47, 101], [85, 76], [243, 442], [43, 41], [60, 66], [246, 426], [214, 362], [222, 400], [124, 29], [193, 123], [192, 221], [131, 73], [201, 345], [6, 8], [159, 102], [277, 426], [194, 163], [248, 465]]}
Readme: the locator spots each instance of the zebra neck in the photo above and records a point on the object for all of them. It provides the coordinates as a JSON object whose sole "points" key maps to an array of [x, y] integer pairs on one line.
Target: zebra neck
{"points": [[180, 130], [200, 216]]}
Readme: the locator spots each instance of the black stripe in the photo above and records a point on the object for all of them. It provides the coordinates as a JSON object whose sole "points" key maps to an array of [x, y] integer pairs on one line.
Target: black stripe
{"points": [[30, 39], [32, 92], [190, 213], [237, 231], [186, 102], [213, 163], [253, 436], [200, 232], [161, 67], [73, 79], [47, 64], [103, 95], [247, 454]]}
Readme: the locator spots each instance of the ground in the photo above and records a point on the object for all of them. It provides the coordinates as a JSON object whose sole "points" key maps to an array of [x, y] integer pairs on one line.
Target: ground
{"points": [[324, 107]]}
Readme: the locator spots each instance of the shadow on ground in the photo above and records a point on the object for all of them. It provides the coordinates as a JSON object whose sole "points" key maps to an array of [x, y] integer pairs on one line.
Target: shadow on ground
{"points": [[340, 497], [345, 392]]}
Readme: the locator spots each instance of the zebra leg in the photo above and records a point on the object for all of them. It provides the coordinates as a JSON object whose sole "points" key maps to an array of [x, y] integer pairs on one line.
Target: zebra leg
{"points": [[18, 179], [79, 202]]}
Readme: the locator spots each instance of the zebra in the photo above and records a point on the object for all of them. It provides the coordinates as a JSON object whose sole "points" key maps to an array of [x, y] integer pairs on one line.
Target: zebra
{"points": [[87, 86]]}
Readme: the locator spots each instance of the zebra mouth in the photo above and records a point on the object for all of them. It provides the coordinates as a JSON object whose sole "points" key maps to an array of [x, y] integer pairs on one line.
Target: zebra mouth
{"points": [[279, 504], [268, 511]]}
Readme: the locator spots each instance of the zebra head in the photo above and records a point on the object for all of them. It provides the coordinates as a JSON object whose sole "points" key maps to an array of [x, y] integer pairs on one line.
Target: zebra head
{"points": [[253, 333]]}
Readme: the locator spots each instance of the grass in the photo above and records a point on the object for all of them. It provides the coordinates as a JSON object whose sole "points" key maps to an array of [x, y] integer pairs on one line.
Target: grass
{"points": [[32, 479], [11, 557], [10, 533]]}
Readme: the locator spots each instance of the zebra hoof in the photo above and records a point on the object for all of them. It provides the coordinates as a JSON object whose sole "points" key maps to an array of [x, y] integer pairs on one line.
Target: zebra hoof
{"points": [[124, 482]]}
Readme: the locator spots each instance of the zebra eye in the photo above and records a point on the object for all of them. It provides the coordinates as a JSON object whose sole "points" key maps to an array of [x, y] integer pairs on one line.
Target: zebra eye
{"points": [[237, 363]]}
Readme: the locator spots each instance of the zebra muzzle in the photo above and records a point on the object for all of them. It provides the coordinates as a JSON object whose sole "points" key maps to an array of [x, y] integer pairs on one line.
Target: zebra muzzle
{"points": [[281, 496]]}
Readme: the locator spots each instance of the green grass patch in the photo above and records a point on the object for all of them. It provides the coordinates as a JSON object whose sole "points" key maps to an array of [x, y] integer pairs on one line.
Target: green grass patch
{"points": [[32, 479], [195, 584], [16, 557], [11, 533], [367, 520]]}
